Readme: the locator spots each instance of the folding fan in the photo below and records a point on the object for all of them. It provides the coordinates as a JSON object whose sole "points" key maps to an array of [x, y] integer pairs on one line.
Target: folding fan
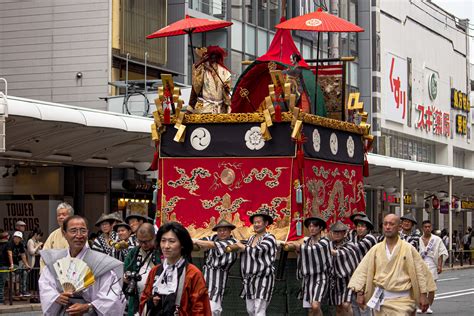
{"points": [[74, 275]]}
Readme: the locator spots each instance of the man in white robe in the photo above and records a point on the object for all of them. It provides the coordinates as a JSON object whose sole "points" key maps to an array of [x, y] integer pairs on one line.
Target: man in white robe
{"points": [[434, 253], [104, 297]]}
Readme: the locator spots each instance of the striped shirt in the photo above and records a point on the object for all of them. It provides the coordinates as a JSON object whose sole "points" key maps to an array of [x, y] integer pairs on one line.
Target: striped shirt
{"points": [[102, 245], [217, 266], [122, 253], [257, 267], [312, 269], [413, 239]]}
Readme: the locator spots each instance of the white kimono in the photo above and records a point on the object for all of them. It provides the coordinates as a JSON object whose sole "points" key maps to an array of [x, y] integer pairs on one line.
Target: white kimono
{"points": [[431, 253], [105, 294]]}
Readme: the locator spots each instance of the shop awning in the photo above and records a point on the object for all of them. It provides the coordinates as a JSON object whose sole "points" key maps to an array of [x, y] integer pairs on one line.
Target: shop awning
{"points": [[424, 177], [47, 132]]}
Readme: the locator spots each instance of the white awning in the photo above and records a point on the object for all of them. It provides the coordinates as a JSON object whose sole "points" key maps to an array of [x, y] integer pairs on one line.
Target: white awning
{"points": [[58, 133], [384, 172]]}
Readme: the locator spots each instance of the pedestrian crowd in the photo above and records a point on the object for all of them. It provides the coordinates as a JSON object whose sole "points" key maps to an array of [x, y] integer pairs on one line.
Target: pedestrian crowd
{"points": [[139, 270]]}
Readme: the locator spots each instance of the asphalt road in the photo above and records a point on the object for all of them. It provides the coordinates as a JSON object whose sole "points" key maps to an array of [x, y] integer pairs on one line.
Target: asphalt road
{"points": [[455, 295]]}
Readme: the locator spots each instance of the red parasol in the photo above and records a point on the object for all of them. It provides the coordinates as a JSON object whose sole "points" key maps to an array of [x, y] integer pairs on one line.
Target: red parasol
{"points": [[189, 25], [319, 21]]}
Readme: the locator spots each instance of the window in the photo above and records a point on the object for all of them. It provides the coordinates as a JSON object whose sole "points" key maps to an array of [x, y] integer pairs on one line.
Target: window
{"points": [[409, 148], [236, 35], [236, 66], [237, 12], [459, 157], [250, 40], [262, 44], [262, 8], [250, 11], [215, 8], [274, 10], [138, 19]]}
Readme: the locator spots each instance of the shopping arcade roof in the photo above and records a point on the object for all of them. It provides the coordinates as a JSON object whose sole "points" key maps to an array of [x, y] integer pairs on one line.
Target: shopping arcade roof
{"points": [[424, 177], [54, 133]]}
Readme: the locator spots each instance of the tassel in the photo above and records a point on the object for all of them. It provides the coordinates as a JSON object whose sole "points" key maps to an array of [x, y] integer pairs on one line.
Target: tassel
{"points": [[365, 169], [300, 159], [277, 113], [299, 195], [154, 163], [167, 116]]}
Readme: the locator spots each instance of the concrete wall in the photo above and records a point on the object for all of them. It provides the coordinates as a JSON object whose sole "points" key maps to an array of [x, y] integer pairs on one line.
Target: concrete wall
{"points": [[45, 43]]}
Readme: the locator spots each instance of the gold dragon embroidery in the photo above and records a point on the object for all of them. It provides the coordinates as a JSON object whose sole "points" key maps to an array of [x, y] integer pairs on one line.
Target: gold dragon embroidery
{"points": [[189, 182]]}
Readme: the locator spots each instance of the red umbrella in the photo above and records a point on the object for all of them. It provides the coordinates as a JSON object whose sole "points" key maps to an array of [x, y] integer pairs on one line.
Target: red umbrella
{"points": [[319, 21], [189, 25]]}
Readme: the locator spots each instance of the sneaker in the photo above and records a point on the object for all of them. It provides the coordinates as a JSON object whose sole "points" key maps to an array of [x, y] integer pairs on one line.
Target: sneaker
{"points": [[418, 311], [429, 310], [26, 294]]}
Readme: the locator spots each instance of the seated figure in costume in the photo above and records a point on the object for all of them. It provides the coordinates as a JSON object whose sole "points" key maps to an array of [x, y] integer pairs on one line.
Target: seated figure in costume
{"points": [[175, 287], [211, 82], [104, 297], [295, 74]]}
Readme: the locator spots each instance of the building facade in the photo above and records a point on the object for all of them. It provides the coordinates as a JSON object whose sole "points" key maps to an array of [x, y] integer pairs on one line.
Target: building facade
{"points": [[417, 81]]}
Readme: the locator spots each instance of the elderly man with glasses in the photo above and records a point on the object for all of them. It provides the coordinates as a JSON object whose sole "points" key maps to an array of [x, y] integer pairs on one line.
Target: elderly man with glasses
{"points": [[138, 263], [103, 297]]}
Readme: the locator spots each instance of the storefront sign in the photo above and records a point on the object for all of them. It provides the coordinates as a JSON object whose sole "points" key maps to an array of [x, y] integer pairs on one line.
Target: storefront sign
{"points": [[467, 205], [34, 213], [433, 120], [461, 124], [395, 88], [460, 101]]}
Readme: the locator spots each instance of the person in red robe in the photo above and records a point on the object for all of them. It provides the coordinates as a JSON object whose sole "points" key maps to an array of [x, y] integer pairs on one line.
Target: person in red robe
{"points": [[166, 283]]}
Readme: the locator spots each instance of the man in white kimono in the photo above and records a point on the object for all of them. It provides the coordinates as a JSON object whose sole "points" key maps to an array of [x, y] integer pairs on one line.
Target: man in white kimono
{"points": [[434, 253], [104, 297]]}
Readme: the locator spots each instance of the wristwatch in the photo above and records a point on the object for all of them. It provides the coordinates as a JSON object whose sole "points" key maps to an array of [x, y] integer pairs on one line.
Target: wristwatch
{"points": [[91, 308]]}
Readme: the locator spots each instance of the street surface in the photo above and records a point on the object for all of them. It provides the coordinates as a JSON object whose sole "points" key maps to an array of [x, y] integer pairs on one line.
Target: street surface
{"points": [[455, 293]]}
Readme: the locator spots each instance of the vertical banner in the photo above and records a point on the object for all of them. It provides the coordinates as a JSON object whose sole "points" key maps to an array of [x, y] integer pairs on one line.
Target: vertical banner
{"points": [[395, 88]]}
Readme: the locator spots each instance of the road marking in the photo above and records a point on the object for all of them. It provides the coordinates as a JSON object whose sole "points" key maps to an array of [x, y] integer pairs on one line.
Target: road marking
{"points": [[465, 290], [454, 295], [442, 280]]}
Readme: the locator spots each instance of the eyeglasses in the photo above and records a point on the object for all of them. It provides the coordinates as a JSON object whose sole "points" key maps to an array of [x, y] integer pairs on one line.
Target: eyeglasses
{"points": [[77, 231], [144, 242]]}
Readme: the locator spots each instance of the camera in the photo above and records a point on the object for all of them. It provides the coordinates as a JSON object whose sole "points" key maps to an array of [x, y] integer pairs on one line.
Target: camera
{"points": [[132, 278]]}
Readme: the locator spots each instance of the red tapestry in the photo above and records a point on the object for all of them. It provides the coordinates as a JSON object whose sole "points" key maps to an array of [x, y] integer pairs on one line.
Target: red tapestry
{"points": [[200, 192], [333, 190]]}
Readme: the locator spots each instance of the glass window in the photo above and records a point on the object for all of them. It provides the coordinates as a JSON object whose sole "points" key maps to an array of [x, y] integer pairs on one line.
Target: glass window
{"points": [[306, 51], [236, 35], [271, 35], [250, 40], [250, 11], [236, 65], [262, 8], [237, 9], [274, 8], [218, 37], [354, 67], [262, 45]]}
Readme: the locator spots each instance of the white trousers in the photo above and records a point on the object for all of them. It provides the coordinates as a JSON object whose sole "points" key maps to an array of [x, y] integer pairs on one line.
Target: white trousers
{"points": [[256, 307], [216, 308]]}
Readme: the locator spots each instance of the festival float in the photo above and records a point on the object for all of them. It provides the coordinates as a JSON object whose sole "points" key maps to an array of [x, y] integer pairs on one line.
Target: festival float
{"points": [[277, 151]]}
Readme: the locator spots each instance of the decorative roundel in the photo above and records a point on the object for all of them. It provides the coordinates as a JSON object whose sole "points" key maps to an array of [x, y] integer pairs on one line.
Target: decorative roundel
{"points": [[200, 138], [350, 147], [254, 139], [316, 140], [313, 22], [333, 143]]}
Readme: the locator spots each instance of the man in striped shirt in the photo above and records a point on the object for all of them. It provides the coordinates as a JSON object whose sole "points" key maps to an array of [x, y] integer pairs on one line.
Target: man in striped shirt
{"points": [[257, 265], [363, 241], [408, 232], [103, 242], [313, 262], [218, 262]]}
